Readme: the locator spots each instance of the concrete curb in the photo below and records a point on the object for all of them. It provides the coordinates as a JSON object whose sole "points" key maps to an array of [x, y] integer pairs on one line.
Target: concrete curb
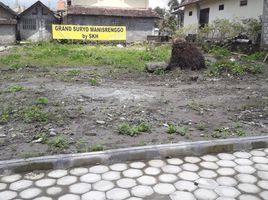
{"points": [[131, 154]]}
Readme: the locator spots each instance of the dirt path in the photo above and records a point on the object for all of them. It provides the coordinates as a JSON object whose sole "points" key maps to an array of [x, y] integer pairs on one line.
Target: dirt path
{"points": [[88, 116]]}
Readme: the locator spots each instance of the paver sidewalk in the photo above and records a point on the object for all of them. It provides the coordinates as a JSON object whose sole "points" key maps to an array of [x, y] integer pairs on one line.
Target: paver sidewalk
{"points": [[241, 175]]}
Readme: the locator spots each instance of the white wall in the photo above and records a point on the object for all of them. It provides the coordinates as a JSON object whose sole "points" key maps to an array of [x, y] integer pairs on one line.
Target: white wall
{"points": [[232, 10]]}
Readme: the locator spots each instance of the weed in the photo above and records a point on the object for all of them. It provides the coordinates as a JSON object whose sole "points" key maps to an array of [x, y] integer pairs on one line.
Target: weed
{"points": [[159, 72], [142, 143], [97, 147], [58, 143], [15, 88], [42, 136], [133, 131], [82, 145], [220, 52], [172, 129], [221, 132], [144, 127], [182, 130], [33, 114], [42, 101], [4, 117], [74, 72], [199, 107], [258, 56], [93, 82], [201, 126], [239, 130]]}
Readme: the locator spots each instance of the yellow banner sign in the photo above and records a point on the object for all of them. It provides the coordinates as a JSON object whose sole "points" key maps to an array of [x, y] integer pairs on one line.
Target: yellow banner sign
{"points": [[95, 33]]}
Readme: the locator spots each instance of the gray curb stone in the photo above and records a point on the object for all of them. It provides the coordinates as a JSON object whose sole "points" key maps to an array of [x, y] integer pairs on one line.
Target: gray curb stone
{"points": [[132, 154]]}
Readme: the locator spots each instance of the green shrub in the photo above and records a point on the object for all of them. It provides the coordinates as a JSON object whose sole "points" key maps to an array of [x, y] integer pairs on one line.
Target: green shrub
{"points": [[182, 131], [144, 127], [172, 129]]}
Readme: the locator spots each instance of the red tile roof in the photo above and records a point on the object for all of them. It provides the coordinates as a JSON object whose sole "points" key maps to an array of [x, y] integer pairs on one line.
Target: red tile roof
{"points": [[78, 10]]}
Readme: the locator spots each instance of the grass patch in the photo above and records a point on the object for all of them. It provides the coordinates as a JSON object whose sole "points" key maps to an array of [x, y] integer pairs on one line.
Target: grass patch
{"points": [[201, 126], [97, 147], [172, 129], [33, 114], [93, 82], [74, 72], [15, 88], [220, 52], [42, 101], [135, 130], [4, 117], [47, 54], [58, 143], [42, 136]]}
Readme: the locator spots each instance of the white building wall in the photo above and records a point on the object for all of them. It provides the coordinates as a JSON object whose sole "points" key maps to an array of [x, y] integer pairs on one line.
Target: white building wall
{"points": [[232, 10]]}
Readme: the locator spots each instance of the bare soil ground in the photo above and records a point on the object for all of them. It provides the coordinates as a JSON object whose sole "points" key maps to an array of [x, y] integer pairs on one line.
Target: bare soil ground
{"points": [[88, 116]]}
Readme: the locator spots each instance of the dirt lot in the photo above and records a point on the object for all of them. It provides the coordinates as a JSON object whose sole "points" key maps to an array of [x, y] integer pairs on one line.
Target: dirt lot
{"points": [[68, 110]]}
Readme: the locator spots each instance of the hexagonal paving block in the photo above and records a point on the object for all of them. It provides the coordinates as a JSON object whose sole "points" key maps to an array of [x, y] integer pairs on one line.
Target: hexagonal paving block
{"points": [[248, 188], [264, 195], [69, 197], [11, 178], [260, 160], [206, 183], [34, 176], [180, 195], [246, 178], [190, 167], [257, 153], [210, 158], [20, 185], [185, 186], [111, 176], [242, 154], [90, 178], [189, 176], [262, 167], [192, 159], [167, 178], [164, 188], [171, 169], [174, 161], [245, 169], [147, 180], [99, 169], [3, 186], [132, 173], [152, 171], [30, 193], [67, 180], [207, 174], [263, 184], [7, 195], [118, 167], [226, 156], [43, 198], [248, 197], [134, 198], [54, 191], [142, 191], [226, 181], [226, 171], [80, 188], [157, 163], [225, 191], [45, 182], [79, 171], [209, 165], [103, 186], [226, 163], [94, 195], [242, 161], [137, 165], [263, 175], [57, 173], [118, 194], [225, 198], [126, 183], [205, 194]]}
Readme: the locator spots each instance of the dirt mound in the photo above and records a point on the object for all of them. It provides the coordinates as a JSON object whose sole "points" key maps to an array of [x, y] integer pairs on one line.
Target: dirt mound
{"points": [[186, 56]]}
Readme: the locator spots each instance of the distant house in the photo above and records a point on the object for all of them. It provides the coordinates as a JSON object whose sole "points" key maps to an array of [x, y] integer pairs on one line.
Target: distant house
{"points": [[35, 23], [265, 25], [8, 23], [134, 14], [201, 12]]}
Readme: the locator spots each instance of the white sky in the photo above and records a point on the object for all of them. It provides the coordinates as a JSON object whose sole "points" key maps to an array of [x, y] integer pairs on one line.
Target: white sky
{"points": [[153, 3]]}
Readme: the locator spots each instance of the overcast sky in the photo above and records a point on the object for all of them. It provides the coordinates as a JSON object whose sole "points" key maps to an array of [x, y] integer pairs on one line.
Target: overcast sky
{"points": [[153, 3]]}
